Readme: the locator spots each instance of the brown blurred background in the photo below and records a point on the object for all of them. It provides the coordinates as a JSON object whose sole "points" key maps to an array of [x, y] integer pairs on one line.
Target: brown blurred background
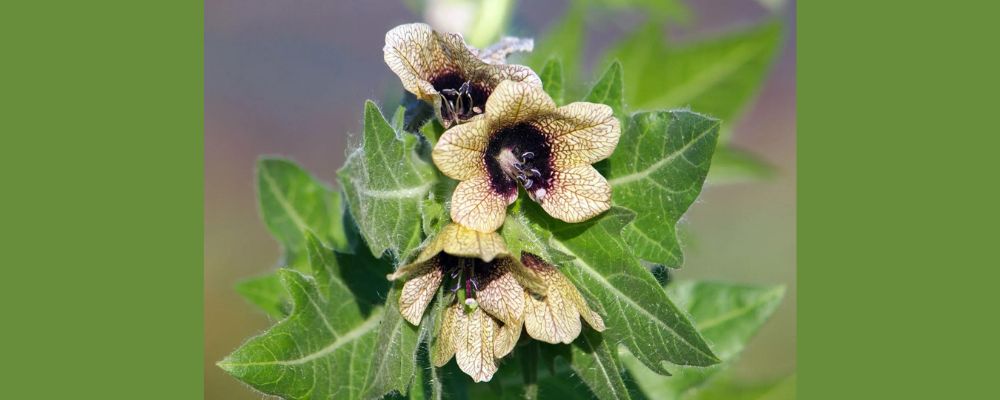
{"points": [[290, 79]]}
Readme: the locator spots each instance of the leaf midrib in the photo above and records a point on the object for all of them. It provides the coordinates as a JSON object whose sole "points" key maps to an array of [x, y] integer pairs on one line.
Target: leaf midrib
{"points": [[354, 334], [604, 282], [767, 297], [642, 174], [292, 213], [706, 79]]}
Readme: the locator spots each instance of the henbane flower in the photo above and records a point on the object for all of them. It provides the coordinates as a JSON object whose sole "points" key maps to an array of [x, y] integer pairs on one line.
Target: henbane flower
{"points": [[440, 69], [554, 316], [524, 139], [484, 322]]}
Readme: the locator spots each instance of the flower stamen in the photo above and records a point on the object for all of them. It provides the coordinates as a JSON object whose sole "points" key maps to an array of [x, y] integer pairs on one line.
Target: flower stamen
{"points": [[459, 103], [519, 168]]}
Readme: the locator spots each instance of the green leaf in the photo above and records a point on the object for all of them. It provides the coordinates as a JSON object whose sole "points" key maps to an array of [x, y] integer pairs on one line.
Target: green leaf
{"points": [[292, 202], [727, 389], [327, 347], [552, 79], [319, 351], [657, 171], [634, 306], [386, 184], [395, 357], [521, 235], [717, 77], [609, 89], [727, 315], [266, 292], [596, 363], [731, 165]]}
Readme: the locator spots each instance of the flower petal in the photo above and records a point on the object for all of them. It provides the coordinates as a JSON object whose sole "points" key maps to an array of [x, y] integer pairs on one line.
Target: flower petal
{"points": [[581, 133], [551, 319], [475, 334], [419, 290], [461, 241], [459, 152], [445, 337], [513, 102], [499, 293], [413, 52], [575, 194], [475, 205], [555, 317], [506, 339]]}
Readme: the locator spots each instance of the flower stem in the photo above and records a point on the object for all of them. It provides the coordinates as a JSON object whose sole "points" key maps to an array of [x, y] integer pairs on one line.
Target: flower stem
{"points": [[529, 367]]}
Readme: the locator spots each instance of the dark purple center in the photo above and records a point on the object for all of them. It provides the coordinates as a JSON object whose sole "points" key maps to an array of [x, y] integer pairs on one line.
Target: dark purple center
{"points": [[516, 154], [461, 98], [468, 273]]}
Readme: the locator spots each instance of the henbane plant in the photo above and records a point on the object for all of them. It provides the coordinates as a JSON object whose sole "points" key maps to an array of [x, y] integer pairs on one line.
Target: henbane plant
{"points": [[428, 251]]}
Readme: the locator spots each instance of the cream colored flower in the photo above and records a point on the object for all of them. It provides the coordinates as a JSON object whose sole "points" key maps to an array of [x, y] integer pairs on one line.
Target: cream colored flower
{"points": [[441, 69], [554, 316], [523, 138], [479, 266]]}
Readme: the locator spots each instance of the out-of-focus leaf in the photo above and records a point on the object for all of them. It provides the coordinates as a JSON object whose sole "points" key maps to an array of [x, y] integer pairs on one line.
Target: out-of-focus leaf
{"points": [[726, 389], [727, 315], [634, 306], [657, 171], [492, 18], [564, 40], [716, 77], [657, 9], [609, 90], [386, 183], [731, 165], [552, 79], [292, 202], [266, 292]]}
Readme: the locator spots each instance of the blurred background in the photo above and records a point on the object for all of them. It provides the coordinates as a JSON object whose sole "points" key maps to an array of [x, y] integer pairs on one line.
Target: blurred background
{"points": [[290, 79]]}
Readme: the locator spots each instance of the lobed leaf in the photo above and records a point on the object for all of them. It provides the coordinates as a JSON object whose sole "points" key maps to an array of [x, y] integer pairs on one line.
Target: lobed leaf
{"points": [[328, 345], [634, 306], [386, 183], [322, 350], [727, 315], [658, 171]]}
